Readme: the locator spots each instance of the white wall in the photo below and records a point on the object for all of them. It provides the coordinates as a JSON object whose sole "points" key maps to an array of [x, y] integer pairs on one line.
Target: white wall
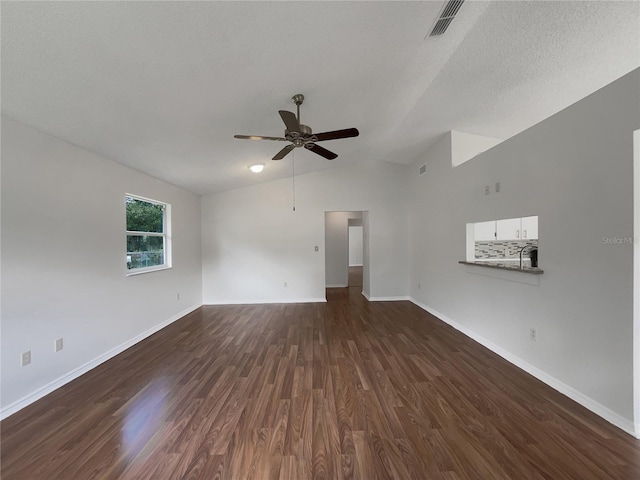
{"points": [[465, 146], [574, 170], [338, 246], [63, 261], [336, 238], [366, 284], [355, 246], [252, 241], [636, 279]]}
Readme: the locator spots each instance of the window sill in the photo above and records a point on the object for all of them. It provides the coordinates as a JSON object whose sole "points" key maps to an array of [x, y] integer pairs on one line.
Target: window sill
{"points": [[140, 271]]}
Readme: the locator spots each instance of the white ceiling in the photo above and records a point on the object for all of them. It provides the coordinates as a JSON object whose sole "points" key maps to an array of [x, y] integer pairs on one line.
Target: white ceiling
{"points": [[163, 86]]}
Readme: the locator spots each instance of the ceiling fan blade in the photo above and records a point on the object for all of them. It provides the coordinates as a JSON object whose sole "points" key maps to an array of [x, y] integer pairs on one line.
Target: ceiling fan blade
{"points": [[336, 134], [323, 152], [259, 137], [290, 120], [284, 152]]}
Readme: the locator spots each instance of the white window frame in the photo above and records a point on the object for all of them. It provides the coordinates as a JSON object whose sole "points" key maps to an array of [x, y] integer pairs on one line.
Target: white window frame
{"points": [[166, 236]]}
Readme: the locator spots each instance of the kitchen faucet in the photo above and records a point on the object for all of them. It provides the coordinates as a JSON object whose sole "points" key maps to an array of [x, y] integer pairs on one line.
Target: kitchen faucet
{"points": [[522, 251]]}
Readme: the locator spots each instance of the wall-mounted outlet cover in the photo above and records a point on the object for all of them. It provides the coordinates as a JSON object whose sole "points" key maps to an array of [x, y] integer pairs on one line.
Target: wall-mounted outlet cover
{"points": [[59, 345], [25, 358], [487, 190]]}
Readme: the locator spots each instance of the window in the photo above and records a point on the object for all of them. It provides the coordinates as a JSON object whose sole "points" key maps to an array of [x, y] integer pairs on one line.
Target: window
{"points": [[148, 240]]}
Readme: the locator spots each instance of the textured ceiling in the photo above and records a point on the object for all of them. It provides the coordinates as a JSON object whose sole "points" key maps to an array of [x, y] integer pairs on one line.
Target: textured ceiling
{"points": [[163, 86]]}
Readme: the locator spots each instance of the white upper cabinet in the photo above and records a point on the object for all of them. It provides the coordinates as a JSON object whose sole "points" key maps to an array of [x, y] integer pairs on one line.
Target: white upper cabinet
{"points": [[508, 229], [525, 228], [484, 231], [529, 228]]}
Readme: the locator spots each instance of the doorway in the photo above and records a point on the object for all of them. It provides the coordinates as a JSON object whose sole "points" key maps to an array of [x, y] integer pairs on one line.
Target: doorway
{"points": [[347, 250]]}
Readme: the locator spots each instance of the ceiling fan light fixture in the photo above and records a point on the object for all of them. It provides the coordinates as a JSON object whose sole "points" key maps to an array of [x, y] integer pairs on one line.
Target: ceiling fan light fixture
{"points": [[257, 167]]}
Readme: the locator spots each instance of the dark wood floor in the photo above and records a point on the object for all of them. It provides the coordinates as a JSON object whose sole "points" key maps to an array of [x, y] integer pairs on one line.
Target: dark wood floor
{"points": [[345, 389], [355, 276]]}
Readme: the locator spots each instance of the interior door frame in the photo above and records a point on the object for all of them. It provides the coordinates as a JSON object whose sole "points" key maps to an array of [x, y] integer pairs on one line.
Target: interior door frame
{"points": [[365, 247]]}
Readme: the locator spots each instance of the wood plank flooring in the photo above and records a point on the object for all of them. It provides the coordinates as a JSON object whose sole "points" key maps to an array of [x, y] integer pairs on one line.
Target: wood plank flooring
{"points": [[342, 390], [355, 276]]}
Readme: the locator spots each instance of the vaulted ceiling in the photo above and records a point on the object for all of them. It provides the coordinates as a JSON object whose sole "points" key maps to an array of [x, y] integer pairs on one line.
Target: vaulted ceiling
{"points": [[163, 86]]}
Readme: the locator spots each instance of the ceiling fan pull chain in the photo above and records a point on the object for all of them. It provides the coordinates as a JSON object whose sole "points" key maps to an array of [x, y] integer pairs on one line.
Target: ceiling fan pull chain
{"points": [[293, 178]]}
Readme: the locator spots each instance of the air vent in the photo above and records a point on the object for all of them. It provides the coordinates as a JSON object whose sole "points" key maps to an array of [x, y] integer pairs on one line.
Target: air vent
{"points": [[447, 15], [423, 169]]}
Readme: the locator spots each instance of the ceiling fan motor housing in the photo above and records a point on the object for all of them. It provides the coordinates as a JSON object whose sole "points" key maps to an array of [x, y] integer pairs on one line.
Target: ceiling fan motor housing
{"points": [[299, 138]]}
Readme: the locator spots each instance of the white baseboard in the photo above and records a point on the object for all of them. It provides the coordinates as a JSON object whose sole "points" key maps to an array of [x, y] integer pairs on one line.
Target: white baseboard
{"points": [[340, 285], [385, 299], [587, 402], [81, 370], [388, 299], [265, 301]]}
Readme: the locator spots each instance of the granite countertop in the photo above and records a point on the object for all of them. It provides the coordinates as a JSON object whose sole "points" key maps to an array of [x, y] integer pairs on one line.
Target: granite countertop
{"points": [[513, 265]]}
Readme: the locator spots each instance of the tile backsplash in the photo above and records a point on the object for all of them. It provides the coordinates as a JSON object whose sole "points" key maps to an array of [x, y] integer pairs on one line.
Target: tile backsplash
{"points": [[503, 249]]}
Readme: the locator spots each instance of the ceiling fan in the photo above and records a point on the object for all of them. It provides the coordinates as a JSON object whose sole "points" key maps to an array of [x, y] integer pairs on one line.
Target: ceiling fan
{"points": [[301, 135]]}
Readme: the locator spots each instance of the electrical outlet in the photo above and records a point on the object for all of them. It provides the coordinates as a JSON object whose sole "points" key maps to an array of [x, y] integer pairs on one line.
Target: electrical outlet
{"points": [[58, 345], [487, 190], [285, 284], [25, 358], [178, 296], [418, 285], [497, 187], [316, 248], [533, 335]]}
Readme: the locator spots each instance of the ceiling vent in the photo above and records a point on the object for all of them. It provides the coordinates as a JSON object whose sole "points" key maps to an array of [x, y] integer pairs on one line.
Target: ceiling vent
{"points": [[423, 169], [447, 15]]}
